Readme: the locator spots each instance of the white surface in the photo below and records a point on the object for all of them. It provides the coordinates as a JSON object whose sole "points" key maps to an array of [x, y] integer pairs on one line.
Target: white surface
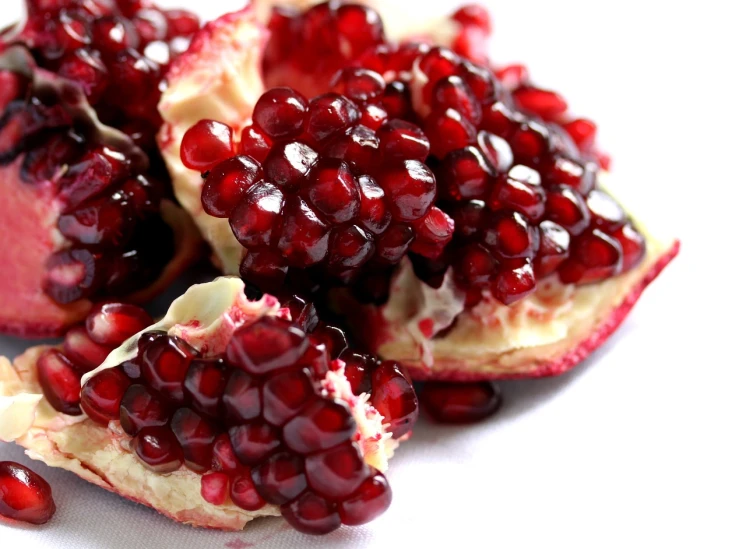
{"points": [[642, 446]]}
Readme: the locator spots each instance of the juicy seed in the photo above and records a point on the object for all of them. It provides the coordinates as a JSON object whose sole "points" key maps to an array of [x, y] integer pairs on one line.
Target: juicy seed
{"points": [[24, 495], [59, 382], [102, 395], [158, 449], [280, 478], [112, 324], [266, 345], [338, 472], [206, 144], [460, 402], [312, 514], [368, 502], [394, 397]]}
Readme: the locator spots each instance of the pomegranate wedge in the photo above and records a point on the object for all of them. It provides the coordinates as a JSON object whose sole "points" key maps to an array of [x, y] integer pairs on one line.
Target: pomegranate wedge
{"points": [[84, 191], [457, 208], [223, 411]]}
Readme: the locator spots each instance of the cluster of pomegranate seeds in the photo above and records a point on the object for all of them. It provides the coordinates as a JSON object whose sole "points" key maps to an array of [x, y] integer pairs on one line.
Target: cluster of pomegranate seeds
{"points": [[460, 402], [257, 422], [333, 183], [117, 242], [85, 347], [116, 50], [24, 495]]}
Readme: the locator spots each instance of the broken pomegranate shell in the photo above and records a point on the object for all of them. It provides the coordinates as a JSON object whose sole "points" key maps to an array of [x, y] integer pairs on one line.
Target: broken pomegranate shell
{"points": [[85, 201], [223, 411]]}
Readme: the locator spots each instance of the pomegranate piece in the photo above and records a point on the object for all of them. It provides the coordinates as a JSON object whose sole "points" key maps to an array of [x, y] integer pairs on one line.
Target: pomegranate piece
{"points": [[24, 495], [74, 164], [460, 402]]}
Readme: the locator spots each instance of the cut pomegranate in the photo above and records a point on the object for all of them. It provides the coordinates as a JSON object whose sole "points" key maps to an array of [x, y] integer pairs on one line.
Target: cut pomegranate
{"points": [[24, 495], [232, 400], [84, 204]]}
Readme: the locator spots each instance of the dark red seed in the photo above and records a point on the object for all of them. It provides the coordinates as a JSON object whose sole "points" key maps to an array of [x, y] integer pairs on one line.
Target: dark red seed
{"points": [[333, 192], [256, 215], [223, 456], [562, 171], [158, 449], [280, 478], [360, 85], [214, 488], [460, 402], [633, 246], [468, 218], [401, 140], [312, 514], [546, 104], [453, 93], [520, 190], [84, 353], [394, 397], [302, 312], [321, 425], [287, 164], [254, 144], [265, 268], [475, 266], [496, 150], [509, 234], [514, 280], [338, 472], [357, 371], [594, 256], [567, 208], [433, 233], [206, 144], [196, 436], [204, 385], [396, 100], [330, 114], [553, 250], [280, 113], [448, 131], [606, 213], [333, 339], [59, 382], [113, 323], [244, 493], [286, 394], [141, 407], [582, 132], [267, 345], [304, 239], [254, 441], [102, 395], [409, 188], [226, 184], [368, 502], [24, 495], [466, 174], [349, 248], [373, 116], [358, 146], [373, 215], [114, 34], [165, 361]]}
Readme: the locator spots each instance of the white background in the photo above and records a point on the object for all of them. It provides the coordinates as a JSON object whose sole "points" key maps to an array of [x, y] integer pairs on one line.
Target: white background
{"points": [[641, 446]]}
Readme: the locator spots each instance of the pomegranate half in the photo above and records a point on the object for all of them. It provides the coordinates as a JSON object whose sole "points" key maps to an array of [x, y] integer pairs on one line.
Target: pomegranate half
{"points": [[85, 196], [223, 411], [542, 287]]}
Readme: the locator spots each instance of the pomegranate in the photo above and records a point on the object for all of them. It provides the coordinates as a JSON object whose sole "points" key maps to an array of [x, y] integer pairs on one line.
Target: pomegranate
{"points": [[230, 409], [85, 191], [520, 264], [460, 402], [24, 495]]}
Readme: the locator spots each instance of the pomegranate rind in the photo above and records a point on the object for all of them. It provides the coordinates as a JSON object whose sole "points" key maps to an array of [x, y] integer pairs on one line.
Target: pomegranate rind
{"points": [[206, 317], [545, 334]]}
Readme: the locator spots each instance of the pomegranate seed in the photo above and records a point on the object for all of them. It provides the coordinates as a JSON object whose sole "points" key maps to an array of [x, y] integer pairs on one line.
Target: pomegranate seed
{"points": [[510, 235], [114, 34], [158, 449], [373, 116], [256, 215], [514, 281], [433, 233], [358, 146], [468, 218], [582, 132], [594, 256], [606, 214], [280, 478], [312, 514], [102, 395], [410, 190], [181, 23], [244, 493], [530, 142], [254, 144], [227, 182], [545, 104], [332, 191], [59, 382], [475, 266], [360, 85], [474, 15], [24, 495], [466, 174], [368, 502], [396, 100], [330, 114], [401, 140], [112, 324], [566, 207], [303, 313], [357, 371], [196, 437], [496, 150], [513, 76], [394, 242], [453, 93], [562, 171], [253, 442], [350, 248], [214, 488], [633, 246], [85, 68], [165, 361], [206, 144], [285, 394], [140, 408], [83, 353], [519, 190], [288, 164], [264, 268], [460, 402], [338, 472], [321, 425], [553, 250], [265, 346], [394, 397], [204, 385], [374, 215], [280, 112], [223, 456], [448, 131]]}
